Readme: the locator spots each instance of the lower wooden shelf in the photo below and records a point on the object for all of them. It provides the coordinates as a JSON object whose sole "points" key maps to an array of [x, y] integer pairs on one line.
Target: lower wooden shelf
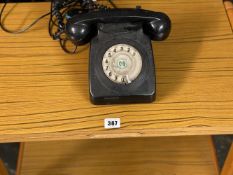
{"points": [[3, 170], [141, 156]]}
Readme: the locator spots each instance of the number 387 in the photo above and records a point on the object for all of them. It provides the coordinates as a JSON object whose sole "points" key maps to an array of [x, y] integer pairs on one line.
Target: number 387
{"points": [[112, 123]]}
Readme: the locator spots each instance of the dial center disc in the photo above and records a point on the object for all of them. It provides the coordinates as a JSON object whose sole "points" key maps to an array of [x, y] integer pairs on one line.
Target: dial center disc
{"points": [[122, 63]]}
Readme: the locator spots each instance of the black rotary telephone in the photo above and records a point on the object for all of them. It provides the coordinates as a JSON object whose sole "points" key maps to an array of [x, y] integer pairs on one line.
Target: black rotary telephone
{"points": [[121, 66]]}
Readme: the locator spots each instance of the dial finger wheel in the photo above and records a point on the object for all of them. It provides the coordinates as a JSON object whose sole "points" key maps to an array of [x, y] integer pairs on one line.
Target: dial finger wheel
{"points": [[122, 63]]}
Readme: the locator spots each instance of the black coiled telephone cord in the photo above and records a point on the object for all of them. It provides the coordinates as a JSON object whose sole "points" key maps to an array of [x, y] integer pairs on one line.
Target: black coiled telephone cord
{"points": [[57, 18]]}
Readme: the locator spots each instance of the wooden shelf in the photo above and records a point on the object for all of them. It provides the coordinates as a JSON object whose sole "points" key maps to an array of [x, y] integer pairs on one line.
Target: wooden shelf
{"points": [[44, 92], [143, 156]]}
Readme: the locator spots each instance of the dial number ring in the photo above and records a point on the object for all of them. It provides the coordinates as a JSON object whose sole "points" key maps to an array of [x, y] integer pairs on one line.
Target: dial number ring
{"points": [[122, 63]]}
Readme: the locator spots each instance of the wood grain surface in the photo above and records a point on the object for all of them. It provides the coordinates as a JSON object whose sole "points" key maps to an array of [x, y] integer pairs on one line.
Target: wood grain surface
{"points": [[141, 156], [44, 92], [229, 9]]}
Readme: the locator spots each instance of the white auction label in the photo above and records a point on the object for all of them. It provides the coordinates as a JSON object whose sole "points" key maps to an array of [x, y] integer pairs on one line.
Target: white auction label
{"points": [[112, 123]]}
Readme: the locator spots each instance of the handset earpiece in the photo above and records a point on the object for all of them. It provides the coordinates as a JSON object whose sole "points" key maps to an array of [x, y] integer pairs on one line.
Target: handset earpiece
{"points": [[80, 33], [158, 29]]}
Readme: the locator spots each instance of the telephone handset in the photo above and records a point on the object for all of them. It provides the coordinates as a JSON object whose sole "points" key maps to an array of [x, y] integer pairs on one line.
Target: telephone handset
{"points": [[82, 27]]}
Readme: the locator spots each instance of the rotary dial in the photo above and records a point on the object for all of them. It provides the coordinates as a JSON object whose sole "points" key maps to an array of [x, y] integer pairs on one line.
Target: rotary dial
{"points": [[122, 63]]}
